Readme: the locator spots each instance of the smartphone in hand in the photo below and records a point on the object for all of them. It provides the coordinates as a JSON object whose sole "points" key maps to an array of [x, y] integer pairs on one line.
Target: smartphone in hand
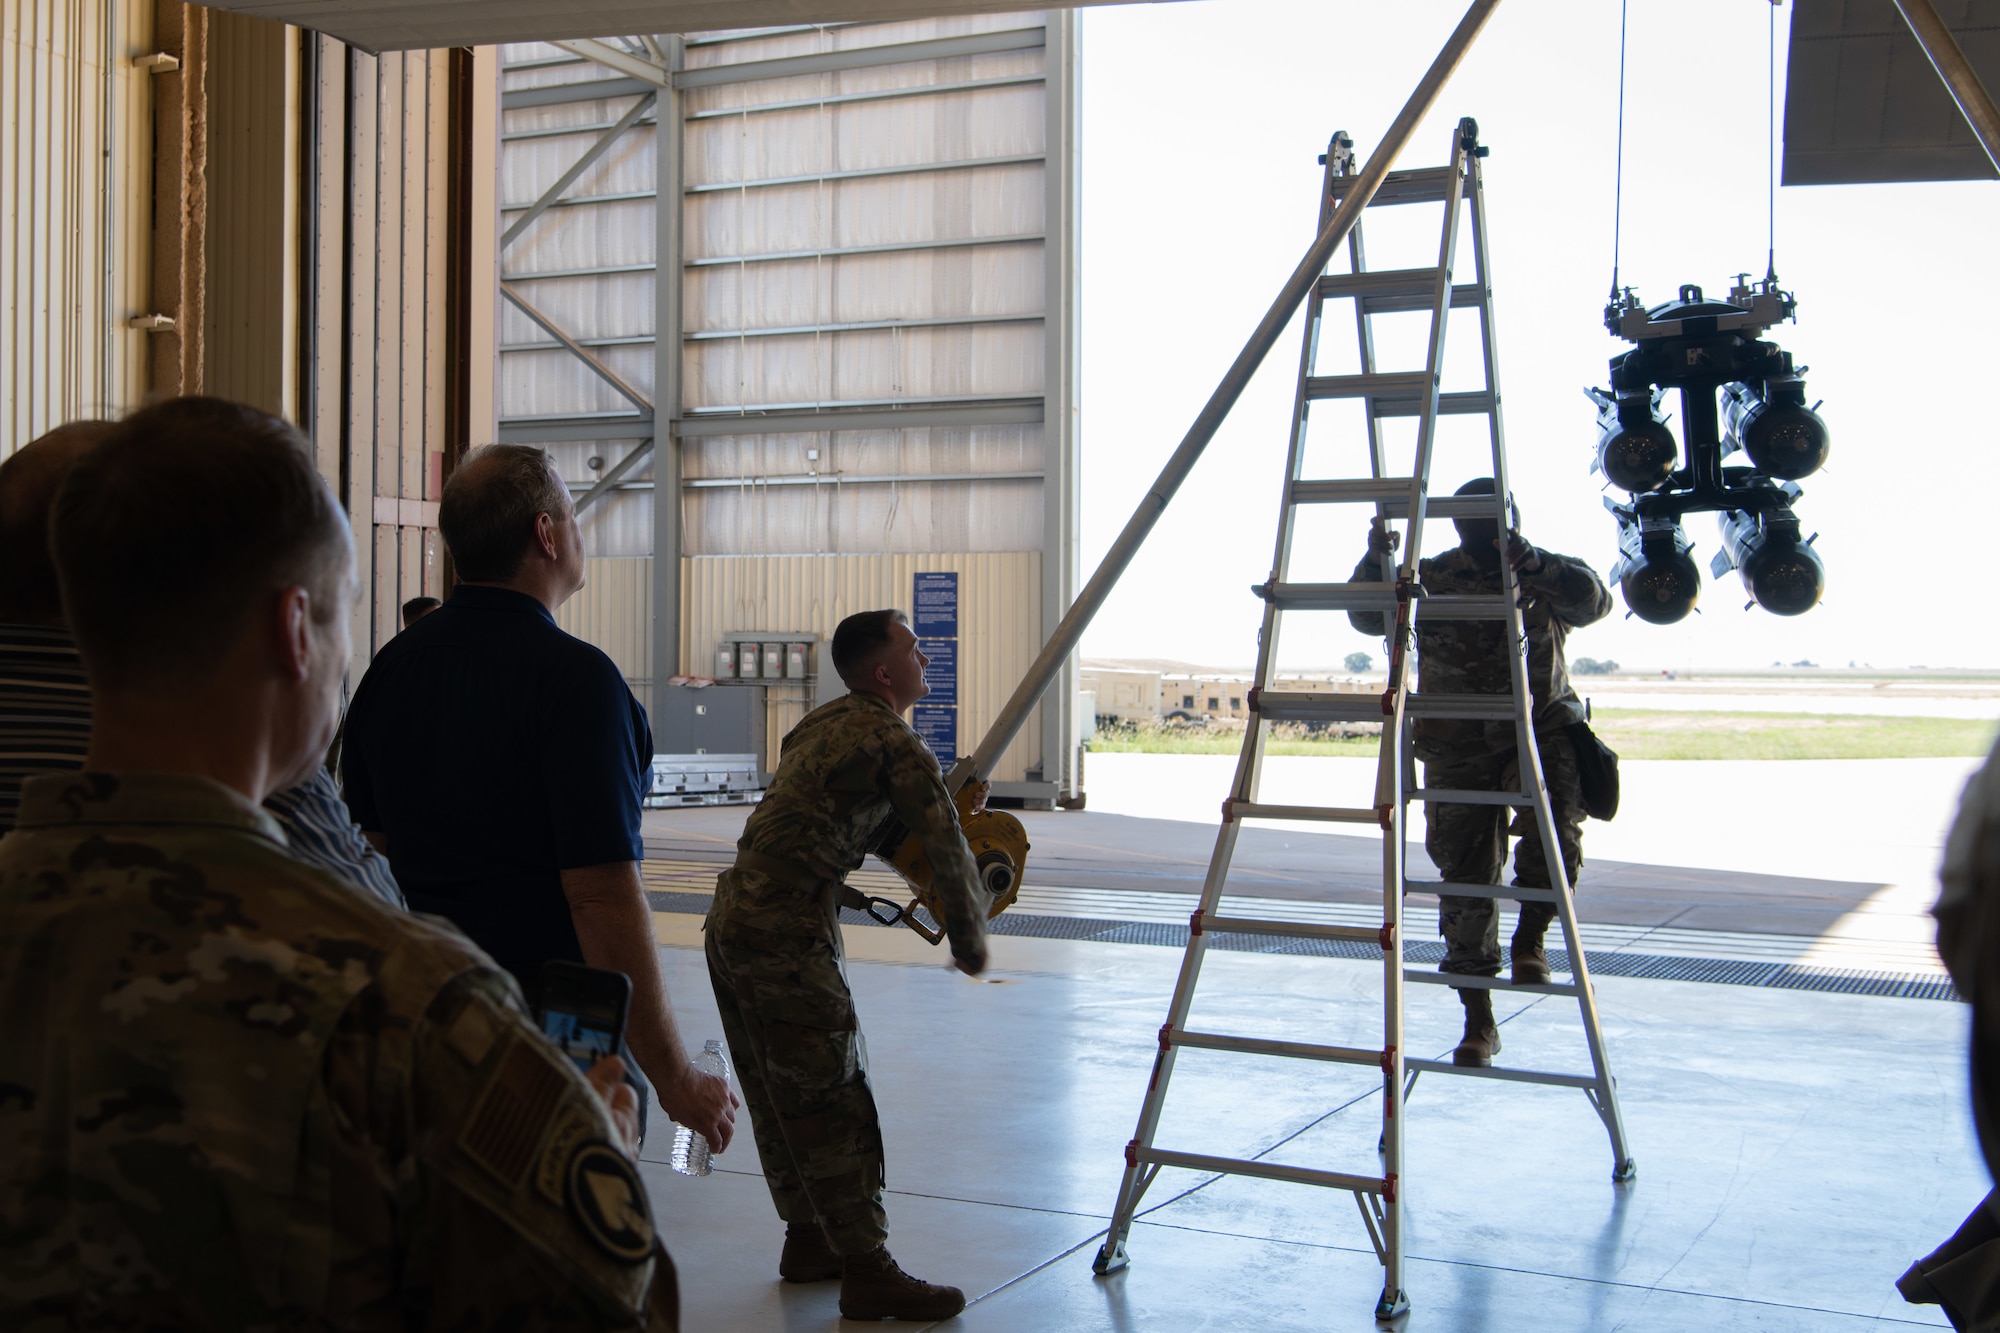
{"points": [[583, 1010]]}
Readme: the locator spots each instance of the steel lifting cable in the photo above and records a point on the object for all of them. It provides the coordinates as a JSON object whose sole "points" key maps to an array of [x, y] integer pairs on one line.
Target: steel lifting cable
{"points": [[1771, 154], [1618, 173]]}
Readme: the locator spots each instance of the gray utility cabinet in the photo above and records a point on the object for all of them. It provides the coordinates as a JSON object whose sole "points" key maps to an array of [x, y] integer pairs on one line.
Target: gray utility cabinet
{"points": [[715, 719]]}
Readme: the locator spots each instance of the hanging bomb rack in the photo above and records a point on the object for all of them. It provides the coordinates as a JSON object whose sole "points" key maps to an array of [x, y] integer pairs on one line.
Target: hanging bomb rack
{"points": [[1701, 346]]}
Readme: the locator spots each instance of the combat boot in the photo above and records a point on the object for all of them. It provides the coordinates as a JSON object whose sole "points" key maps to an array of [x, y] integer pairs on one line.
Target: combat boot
{"points": [[873, 1287], [1530, 959], [1482, 1035], [807, 1256]]}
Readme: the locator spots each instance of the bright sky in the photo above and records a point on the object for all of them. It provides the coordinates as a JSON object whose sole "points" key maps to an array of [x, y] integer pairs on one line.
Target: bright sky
{"points": [[1201, 124]]}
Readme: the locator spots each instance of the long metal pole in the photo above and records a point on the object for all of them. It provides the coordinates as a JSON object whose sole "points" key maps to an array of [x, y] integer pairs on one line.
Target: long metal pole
{"points": [[1960, 79], [1068, 633]]}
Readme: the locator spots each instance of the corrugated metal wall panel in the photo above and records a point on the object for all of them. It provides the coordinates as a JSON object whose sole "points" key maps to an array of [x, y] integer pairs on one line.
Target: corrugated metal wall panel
{"points": [[999, 620], [807, 525], [614, 611], [252, 235], [75, 199]]}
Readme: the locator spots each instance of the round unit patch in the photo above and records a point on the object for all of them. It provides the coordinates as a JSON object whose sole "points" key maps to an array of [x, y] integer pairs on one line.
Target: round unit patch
{"points": [[608, 1202]]}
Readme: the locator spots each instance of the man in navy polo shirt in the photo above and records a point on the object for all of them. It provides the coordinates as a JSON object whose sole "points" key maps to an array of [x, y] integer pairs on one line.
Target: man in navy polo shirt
{"points": [[500, 763]]}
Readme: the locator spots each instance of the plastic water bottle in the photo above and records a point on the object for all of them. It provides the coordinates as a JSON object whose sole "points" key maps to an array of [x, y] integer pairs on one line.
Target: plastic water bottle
{"points": [[690, 1156]]}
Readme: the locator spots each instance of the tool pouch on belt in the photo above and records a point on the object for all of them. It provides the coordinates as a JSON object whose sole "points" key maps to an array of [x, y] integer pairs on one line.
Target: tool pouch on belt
{"points": [[1596, 771]]}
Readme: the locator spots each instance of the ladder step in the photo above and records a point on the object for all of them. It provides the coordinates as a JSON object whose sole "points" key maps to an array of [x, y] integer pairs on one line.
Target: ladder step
{"points": [[1379, 597], [1456, 796], [1330, 596], [1296, 1050], [1463, 296], [1318, 814], [1511, 1075], [1236, 1166], [1315, 706], [1305, 930], [1455, 606], [1459, 982], [1425, 185], [1449, 405], [1409, 384], [1464, 707], [1511, 891], [1379, 282], [1392, 494], [1342, 706], [1363, 490]]}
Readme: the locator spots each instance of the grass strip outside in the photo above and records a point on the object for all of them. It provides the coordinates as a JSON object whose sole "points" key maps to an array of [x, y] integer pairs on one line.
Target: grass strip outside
{"points": [[1649, 734]]}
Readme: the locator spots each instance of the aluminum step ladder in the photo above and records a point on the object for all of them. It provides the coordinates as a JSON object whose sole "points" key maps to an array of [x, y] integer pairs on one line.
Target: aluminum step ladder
{"points": [[1402, 601]]}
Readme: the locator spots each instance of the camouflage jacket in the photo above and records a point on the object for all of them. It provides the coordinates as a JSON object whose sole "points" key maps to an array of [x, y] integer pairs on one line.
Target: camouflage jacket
{"points": [[1470, 656], [237, 1094], [843, 773]]}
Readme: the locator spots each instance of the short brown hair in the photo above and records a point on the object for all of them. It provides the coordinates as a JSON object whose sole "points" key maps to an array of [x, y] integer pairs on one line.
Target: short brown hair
{"points": [[29, 480], [487, 513], [860, 639], [169, 533]]}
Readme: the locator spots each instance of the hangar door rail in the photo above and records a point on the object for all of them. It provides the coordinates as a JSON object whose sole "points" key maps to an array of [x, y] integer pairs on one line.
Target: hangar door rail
{"points": [[1401, 600]]}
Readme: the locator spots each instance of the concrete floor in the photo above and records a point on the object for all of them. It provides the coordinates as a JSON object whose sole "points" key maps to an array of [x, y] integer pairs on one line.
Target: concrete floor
{"points": [[1796, 1149], [1795, 1152]]}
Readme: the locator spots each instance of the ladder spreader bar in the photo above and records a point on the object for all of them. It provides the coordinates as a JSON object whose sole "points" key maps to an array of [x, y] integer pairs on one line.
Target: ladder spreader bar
{"points": [[1236, 1166]]}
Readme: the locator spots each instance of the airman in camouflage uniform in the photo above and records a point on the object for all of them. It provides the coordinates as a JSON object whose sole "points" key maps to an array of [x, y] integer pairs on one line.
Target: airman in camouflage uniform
{"points": [[1468, 843], [775, 958], [236, 1094]]}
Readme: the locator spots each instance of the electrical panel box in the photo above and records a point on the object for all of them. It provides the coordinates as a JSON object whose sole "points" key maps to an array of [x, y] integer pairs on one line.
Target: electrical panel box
{"points": [[715, 719], [774, 661], [746, 659], [797, 655], [725, 662]]}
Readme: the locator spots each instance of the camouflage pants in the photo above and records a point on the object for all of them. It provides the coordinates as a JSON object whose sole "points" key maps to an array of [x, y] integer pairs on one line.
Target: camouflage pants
{"points": [[789, 1019], [1468, 844]]}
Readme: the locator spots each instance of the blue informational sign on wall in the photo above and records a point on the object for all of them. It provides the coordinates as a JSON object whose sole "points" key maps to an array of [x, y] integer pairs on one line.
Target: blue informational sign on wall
{"points": [[934, 610], [934, 617]]}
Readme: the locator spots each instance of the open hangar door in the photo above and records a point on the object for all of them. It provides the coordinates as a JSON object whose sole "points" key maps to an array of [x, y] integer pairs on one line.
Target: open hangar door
{"points": [[849, 351]]}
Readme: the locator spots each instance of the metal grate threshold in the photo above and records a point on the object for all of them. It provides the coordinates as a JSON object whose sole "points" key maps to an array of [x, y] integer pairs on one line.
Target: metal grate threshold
{"points": [[1162, 934]]}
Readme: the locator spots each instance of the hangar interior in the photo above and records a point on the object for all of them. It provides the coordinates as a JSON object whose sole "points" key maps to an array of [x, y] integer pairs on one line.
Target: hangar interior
{"points": [[849, 349]]}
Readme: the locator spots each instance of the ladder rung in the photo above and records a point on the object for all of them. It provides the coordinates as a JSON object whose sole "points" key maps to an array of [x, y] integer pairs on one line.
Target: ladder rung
{"points": [[1236, 1166], [1319, 814], [1315, 706], [1423, 186], [1518, 893], [1379, 282], [1459, 796], [1464, 707], [1331, 596], [1400, 384], [1511, 1075], [1463, 296], [1305, 930], [1458, 981], [1459, 606], [1295, 1050], [1362, 490], [1449, 405], [1392, 494]]}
